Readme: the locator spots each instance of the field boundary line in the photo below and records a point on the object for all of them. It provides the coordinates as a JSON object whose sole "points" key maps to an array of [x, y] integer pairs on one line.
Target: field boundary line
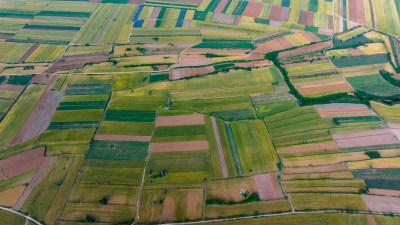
{"points": [[107, 24], [20, 214], [145, 168]]}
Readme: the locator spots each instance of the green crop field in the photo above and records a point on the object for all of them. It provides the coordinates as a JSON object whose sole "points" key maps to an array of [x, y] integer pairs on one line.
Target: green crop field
{"points": [[256, 156], [200, 111]]}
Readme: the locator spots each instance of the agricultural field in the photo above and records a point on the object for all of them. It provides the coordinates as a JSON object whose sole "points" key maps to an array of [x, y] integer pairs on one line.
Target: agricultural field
{"points": [[199, 111]]}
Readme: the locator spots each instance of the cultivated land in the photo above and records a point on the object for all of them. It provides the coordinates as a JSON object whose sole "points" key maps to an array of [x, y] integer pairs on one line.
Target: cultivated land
{"points": [[199, 111]]}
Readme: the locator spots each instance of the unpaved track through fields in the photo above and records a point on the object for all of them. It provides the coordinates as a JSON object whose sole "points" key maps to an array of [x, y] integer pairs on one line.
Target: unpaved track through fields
{"points": [[219, 146]]}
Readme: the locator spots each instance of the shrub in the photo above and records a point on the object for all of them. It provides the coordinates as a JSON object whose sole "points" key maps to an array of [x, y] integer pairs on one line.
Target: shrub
{"points": [[373, 154]]}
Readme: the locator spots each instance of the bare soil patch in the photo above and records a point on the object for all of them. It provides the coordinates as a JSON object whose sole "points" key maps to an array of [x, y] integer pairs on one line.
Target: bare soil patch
{"points": [[355, 51], [386, 192], [273, 45], [275, 13], [223, 18], [371, 220], [121, 138], [382, 203], [343, 112], [324, 88], [41, 79], [261, 63], [309, 48], [357, 12], [28, 53], [75, 63], [21, 163], [311, 37], [168, 209], [253, 9], [179, 146], [365, 138], [267, 186], [310, 148], [11, 87], [316, 169], [180, 120], [40, 116], [221, 6]]}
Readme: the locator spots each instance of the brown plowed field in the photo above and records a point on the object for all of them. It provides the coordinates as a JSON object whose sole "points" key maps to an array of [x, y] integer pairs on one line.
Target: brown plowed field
{"points": [[21, 163], [275, 13], [121, 138], [324, 88], [309, 48], [220, 6], [382, 203], [74, 63], [374, 191], [341, 112], [317, 81], [310, 36], [365, 138], [356, 11], [179, 146], [41, 79], [193, 60], [310, 148], [371, 220], [267, 186], [273, 45], [28, 53], [253, 9], [355, 51], [10, 87], [262, 63], [316, 169], [180, 120]]}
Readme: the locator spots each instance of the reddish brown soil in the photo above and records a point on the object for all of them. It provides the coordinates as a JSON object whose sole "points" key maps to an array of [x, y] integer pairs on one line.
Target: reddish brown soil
{"points": [[192, 60], [275, 13], [168, 209], [361, 134], [162, 67], [121, 138], [180, 120], [356, 11], [216, 51], [41, 79], [21, 163], [3, 36], [255, 57], [310, 148], [237, 21], [179, 146], [220, 6], [365, 138], [318, 81], [371, 220], [273, 45], [374, 191], [10, 87], [311, 37], [261, 63], [28, 53], [296, 64], [355, 51], [382, 203], [325, 31], [316, 169], [189, 72], [267, 186], [397, 76], [74, 63], [324, 88], [303, 17], [253, 9], [41, 112], [309, 48], [340, 112], [310, 17]]}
